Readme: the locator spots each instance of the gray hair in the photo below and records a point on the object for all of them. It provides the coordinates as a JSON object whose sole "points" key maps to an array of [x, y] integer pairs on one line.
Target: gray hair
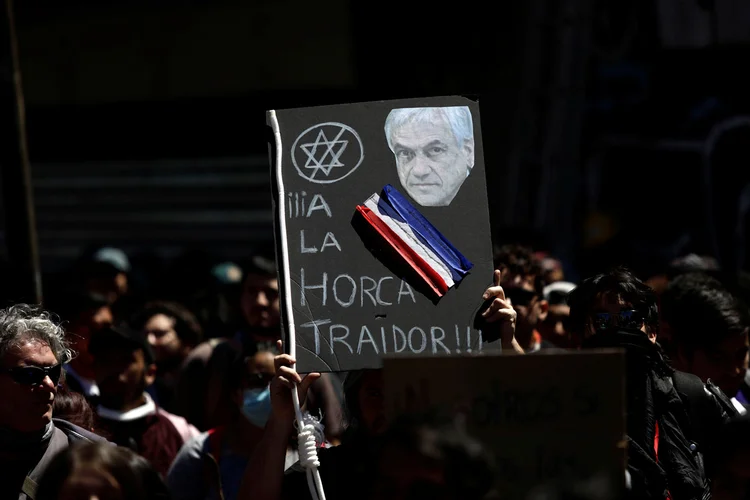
{"points": [[23, 322], [457, 117]]}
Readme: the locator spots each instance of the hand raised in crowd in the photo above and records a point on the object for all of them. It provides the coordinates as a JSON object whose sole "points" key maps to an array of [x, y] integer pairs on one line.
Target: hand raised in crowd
{"points": [[284, 382], [500, 315]]}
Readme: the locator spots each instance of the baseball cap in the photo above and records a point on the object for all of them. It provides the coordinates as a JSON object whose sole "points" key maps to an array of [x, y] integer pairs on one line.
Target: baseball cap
{"points": [[227, 273], [114, 257], [557, 292], [121, 337]]}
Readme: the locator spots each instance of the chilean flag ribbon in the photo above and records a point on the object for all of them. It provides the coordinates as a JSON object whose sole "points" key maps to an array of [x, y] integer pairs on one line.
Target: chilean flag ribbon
{"points": [[415, 239]]}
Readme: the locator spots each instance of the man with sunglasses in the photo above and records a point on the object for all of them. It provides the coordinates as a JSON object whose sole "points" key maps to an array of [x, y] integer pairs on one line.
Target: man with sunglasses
{"points": [[672, 417], [32, 352], [523, 285]]}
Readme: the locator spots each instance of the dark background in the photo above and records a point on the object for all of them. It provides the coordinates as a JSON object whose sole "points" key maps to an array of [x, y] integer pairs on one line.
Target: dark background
{"points": [[146, 125]]}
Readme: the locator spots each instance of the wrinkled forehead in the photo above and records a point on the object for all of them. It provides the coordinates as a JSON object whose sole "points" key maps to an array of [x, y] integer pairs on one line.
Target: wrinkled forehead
{"points": [[28, 349], [430, 124]]}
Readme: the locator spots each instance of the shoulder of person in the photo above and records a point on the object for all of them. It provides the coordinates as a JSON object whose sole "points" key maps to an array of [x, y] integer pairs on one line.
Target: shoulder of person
{"points": [[160, 424], [75, 433], [186, 477], [195, 448], [705, 402], [185, 428]]}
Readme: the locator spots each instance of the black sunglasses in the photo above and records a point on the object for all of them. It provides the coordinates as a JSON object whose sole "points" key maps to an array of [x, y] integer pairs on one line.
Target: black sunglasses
{"points": [[34, 375], [624, 319], [520, 296]]}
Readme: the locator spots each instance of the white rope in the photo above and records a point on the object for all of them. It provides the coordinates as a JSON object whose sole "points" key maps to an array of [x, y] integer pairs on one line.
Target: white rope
{"points": [[308, 447], [306, 429]]}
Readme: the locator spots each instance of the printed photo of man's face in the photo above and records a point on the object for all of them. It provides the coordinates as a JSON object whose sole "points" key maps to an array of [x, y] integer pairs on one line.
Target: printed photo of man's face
{"points": [[434, 151]]}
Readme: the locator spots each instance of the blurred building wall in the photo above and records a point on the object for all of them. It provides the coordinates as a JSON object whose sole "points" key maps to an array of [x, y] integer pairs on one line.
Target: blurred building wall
{"points": [[116, 51]]}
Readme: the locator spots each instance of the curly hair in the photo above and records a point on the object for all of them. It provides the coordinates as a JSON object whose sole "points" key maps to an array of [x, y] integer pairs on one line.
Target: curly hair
{"points": [[186, 325], [23, 322], [519, 259]]}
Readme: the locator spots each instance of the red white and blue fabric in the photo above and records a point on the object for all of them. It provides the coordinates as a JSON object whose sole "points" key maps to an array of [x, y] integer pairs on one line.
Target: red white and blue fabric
{"points": [[417, 241]]}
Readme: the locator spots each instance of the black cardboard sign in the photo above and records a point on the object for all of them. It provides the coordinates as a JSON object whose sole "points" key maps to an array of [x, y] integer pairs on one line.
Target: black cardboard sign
{"points": [[346, 293], [550, 420]]}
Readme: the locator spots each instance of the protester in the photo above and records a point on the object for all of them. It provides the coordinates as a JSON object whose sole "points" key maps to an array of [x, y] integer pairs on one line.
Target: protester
{"points": [[554, 328], [707, 328], [670, 450], [32, 351], [344, 468], [100, 471], [523, 285], [85, 314], [261, 330], [172, 331], [107, 273], [552, 267], [124, 368], [224, 451]]}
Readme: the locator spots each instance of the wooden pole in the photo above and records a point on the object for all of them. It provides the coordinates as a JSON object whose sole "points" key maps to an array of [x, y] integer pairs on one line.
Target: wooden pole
{"points": [[18, 201]]}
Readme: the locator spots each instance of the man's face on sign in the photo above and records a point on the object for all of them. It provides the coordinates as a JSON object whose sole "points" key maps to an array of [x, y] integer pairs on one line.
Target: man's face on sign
{"points": [[431, 164]]}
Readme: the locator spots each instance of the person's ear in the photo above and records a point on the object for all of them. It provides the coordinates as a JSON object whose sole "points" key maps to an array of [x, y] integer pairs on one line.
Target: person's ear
{"points": [[150, 374], [468, 149]]}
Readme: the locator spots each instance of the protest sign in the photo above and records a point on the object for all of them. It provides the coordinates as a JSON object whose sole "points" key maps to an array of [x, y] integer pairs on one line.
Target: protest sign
{"points": [[382, 229], [548, 419]]}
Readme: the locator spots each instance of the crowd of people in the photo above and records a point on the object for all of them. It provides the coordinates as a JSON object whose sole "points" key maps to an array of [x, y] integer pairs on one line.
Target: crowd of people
{"points": [[118, 391]]}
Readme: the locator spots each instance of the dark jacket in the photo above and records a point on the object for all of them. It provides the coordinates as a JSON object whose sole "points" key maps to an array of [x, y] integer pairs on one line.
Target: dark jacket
{"points": [[669, 411], [63, 435], [687, 423]]}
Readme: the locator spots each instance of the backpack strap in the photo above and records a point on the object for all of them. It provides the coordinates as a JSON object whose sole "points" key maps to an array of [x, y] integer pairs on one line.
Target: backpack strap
{"points": [[698, 404], [29, 488]]}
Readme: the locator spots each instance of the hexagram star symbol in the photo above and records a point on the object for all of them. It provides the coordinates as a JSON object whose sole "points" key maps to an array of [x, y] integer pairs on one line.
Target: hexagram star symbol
{"points": [[331, 150]]}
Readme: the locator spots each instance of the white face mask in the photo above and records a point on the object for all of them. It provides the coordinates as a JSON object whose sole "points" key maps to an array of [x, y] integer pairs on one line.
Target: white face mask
{"points": [[256, 405]]}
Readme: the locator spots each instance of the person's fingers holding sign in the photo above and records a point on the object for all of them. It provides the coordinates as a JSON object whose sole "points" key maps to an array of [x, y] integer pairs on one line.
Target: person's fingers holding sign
{"points": [[284, 382], [498, 317]]}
